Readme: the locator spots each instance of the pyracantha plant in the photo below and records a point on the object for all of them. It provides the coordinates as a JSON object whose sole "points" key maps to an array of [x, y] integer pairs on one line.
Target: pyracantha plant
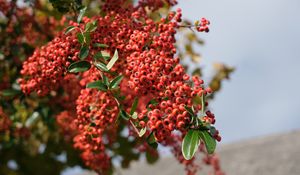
{"points": [[118, 84]]}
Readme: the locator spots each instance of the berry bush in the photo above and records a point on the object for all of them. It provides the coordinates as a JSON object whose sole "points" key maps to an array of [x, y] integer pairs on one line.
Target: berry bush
{"points": [[101, 82]]}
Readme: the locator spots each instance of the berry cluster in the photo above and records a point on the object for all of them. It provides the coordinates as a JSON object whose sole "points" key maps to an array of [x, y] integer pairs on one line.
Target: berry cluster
{"points": [[151, 74], [203, 27], [45, 69]]}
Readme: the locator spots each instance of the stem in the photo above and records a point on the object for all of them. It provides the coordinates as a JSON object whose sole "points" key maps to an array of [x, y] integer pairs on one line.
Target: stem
{"points": [[84, 40], [187, 25], [117, 102], [202, 104], [136, 130]]}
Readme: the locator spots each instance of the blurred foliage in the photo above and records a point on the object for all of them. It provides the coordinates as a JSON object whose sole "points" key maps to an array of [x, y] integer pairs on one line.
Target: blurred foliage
{"points": [[65, 6]]}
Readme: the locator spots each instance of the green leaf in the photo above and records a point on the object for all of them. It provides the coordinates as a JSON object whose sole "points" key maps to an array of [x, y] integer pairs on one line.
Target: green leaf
{"points": [[95, 25], [115, 82], [190, 144], [81, 14], [84, 52], [209, 141], [101, 66], [69, 29], [113, 60], [152, 141], [124, 114], [97, 85], [102, 54], [87, 37], [189, 110], [105, 55], [134, 105], [10, 92], [97, 56], [79, 66], [134, 115], [212, 130], [105, 80], [90, 26], [80, 38], [151, 138], [142, 132], [100, 45]]}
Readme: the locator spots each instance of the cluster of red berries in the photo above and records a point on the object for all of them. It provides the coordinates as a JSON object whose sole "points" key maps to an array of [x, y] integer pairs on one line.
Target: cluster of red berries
{"points": [[65, 121], [151, 72], [210, 118], [70, 90], [45, 69], [203, 26]]}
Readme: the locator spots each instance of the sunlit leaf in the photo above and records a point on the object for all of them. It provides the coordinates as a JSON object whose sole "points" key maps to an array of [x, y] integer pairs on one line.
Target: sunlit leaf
{"points": [[90, 26], [69, 29], [81, 14], [101, 66], [190, 144], [134, 115], [115, 82], [113, 60], [142, 132], [87, 37]]}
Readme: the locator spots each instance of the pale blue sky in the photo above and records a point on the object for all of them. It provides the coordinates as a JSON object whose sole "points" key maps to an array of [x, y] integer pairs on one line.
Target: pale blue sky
{"points": [[261, 39]]}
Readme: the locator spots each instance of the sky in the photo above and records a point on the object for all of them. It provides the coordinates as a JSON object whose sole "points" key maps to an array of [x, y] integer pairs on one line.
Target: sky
{"points": [[261, 39]]}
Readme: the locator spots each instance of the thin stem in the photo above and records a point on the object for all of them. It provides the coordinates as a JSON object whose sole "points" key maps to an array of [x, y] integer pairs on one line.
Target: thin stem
{"points": [[136, 130], [202, 104], [186, 25]]}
